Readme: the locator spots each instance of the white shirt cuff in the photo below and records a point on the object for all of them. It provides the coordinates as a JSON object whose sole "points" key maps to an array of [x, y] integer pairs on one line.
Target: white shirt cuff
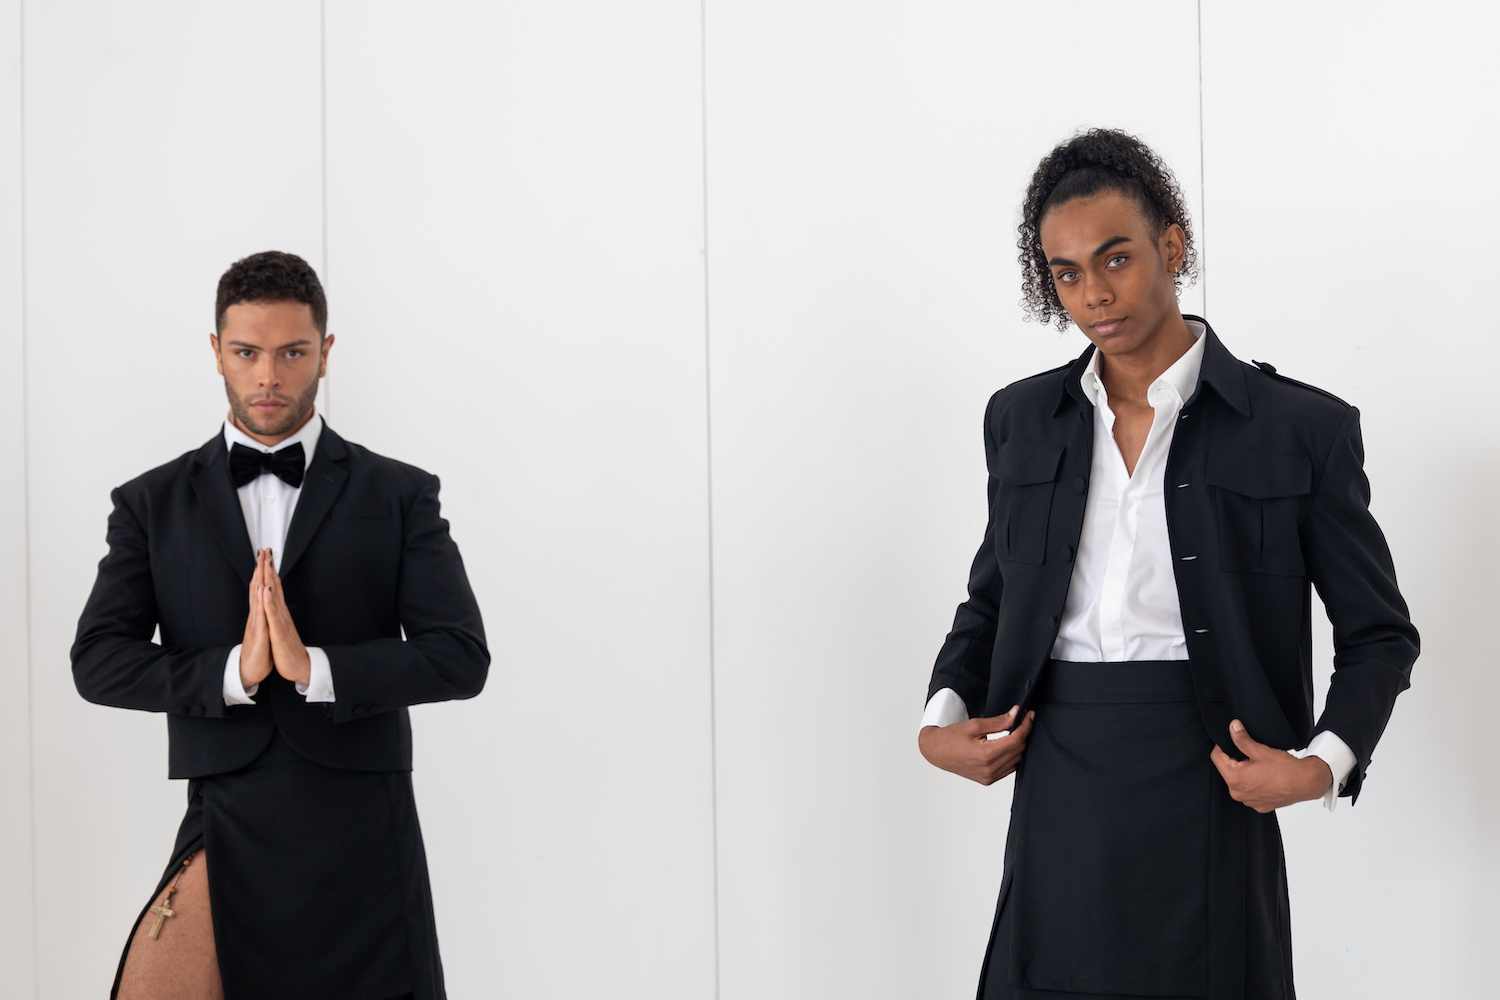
{"points": [[944, 709], [1334, 752], [319, 686], [234, 691]]}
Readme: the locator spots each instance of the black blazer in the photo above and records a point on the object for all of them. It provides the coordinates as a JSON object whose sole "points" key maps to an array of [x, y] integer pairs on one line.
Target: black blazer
{"points": [[367, 555], [1266, 498]]}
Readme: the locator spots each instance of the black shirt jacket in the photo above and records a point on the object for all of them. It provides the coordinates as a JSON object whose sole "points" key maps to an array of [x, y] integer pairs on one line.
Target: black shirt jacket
{"points": [[1266, 498]]}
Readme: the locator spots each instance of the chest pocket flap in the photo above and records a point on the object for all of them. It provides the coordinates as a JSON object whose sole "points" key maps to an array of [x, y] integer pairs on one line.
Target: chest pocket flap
{"points": [[1260, 475], [1258, 495], [1027, 471], [1025, 463]]}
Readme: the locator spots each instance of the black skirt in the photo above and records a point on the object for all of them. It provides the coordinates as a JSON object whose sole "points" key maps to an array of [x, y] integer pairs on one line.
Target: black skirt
{"points": [[317, 880], [1129, 871]]}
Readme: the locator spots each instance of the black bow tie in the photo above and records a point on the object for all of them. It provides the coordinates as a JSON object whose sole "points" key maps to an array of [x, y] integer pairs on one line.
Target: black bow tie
{"points": [[247, 464]]}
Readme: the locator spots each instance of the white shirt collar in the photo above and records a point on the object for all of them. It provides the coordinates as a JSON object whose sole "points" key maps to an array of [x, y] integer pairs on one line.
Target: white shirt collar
{"points": [[1181, 378], [307, 437]]}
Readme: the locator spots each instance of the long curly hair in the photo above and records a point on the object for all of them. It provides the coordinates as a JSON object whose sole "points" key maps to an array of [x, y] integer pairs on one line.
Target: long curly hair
{"points": [[1095, 160]]}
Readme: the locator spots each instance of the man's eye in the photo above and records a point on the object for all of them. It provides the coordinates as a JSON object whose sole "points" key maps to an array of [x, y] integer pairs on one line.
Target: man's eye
{"points": [[294, 355], [1068, 276], [247, 355], [1116, 261]]}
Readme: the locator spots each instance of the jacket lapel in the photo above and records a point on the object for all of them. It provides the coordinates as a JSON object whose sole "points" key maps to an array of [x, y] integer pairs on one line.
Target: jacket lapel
{"points": [[221, 506], [325, 478]]}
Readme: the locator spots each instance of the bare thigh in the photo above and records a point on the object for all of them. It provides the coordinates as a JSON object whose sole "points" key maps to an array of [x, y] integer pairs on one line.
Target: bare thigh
{"points": [[182, 963]]}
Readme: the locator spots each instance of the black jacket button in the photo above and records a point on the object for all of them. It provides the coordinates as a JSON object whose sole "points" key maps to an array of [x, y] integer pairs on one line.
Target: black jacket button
{"points": [[1080, 485]]}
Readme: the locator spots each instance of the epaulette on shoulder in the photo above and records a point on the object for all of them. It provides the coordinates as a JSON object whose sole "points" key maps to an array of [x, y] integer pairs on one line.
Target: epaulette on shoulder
{"points": [[1270, 370], [1049, 371]]}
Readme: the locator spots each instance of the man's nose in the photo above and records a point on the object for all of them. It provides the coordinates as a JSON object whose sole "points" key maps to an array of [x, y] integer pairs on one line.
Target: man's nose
{"points": [[1097, 293]]}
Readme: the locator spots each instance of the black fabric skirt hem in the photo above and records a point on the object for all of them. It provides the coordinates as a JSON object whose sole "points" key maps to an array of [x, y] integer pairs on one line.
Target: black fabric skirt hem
{"points": [[317, 880]]}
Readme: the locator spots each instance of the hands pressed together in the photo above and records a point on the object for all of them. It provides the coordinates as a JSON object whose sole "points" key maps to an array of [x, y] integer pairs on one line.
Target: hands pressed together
{"points": [[1267, 780], [271, 639]]}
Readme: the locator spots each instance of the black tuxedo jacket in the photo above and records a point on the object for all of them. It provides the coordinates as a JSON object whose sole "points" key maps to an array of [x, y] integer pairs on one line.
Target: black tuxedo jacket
{"points": [[367, 556], [1266, 498]]}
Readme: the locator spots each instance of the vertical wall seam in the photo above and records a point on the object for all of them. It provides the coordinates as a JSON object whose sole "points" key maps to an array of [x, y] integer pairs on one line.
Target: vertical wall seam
{"points": [[323, 165], [26, 525], [708, 409], [1202, 177]]}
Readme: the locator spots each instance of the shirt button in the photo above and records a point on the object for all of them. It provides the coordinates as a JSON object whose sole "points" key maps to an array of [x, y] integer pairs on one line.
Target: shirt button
{"points": [[268, 498], [1080, 485]]}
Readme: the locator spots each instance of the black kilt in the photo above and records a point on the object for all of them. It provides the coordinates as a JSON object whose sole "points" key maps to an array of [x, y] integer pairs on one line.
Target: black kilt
{"points": [[317, 880], [1129, 871]]}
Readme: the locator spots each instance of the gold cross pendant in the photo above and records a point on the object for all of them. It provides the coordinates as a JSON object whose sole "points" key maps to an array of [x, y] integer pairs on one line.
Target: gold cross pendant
{"points": [[163, 912]]}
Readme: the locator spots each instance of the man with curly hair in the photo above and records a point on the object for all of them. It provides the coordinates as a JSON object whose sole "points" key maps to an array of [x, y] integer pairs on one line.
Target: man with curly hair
{"points": [[306, 592], [1137, 643]]}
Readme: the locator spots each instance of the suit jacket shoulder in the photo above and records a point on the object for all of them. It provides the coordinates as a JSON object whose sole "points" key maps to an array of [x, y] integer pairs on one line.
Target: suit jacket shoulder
{"points": [[383, 467], [1291, 399], [154, 481], [1022, 403]]}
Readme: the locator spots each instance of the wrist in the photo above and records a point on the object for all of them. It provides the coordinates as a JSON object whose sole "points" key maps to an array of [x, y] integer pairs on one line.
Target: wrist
{"points": [[1319, 776], [301, 667]]}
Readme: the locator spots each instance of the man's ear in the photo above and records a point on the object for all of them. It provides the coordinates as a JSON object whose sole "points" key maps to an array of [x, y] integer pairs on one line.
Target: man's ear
{"points": [[213, 341], [323, 350], [1173, 247]]}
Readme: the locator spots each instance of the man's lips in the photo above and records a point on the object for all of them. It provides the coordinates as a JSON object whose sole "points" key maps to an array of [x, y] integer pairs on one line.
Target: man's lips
{"points": [[268, 404], [1105, 327]]}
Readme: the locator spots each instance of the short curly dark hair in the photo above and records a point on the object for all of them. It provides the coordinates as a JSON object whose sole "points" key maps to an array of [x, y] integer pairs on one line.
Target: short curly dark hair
{"points": [[272, 276], [1095, 160]]}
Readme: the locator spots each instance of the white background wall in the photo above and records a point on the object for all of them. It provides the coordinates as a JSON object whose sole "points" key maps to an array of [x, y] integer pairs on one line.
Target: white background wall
{"points": [[695, 307]]}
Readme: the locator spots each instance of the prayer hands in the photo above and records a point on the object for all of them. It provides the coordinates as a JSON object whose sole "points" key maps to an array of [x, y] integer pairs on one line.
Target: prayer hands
{"points": [[288, 654], [271, 639], [255, 649], [1271, 778], [964, 749]]}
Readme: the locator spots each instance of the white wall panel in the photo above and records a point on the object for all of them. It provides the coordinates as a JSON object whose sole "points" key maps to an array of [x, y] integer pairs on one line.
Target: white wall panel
{"points": [[163, 141], [516, 282], [1349, 161], [16, 937], [866, 166]]}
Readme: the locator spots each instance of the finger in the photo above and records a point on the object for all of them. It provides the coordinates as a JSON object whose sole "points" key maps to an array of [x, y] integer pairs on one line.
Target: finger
{"points": [[996, 724], [1241, 737], [1024, 729], [1226, 765]]}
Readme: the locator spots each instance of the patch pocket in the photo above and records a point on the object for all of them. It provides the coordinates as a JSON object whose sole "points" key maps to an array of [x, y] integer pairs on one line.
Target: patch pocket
{"points": [[1259, 496], [1027, 471], [366, 509]]}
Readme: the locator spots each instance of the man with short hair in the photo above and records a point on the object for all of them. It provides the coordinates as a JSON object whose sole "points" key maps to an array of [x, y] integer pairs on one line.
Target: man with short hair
{"points": [[307, 592]]}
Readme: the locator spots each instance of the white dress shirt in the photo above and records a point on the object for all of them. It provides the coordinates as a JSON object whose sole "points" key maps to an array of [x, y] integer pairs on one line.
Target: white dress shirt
{"points": [[268, 503], [1122, 602]]}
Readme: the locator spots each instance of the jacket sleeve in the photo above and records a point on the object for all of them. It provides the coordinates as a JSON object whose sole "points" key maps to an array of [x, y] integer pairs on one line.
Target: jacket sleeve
{"points": [[443, 655], [115, 662], [963, 663], [1374, 643]]}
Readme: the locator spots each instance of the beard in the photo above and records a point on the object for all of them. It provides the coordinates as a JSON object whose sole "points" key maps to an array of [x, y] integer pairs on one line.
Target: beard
{"points": [[296, 410]]}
